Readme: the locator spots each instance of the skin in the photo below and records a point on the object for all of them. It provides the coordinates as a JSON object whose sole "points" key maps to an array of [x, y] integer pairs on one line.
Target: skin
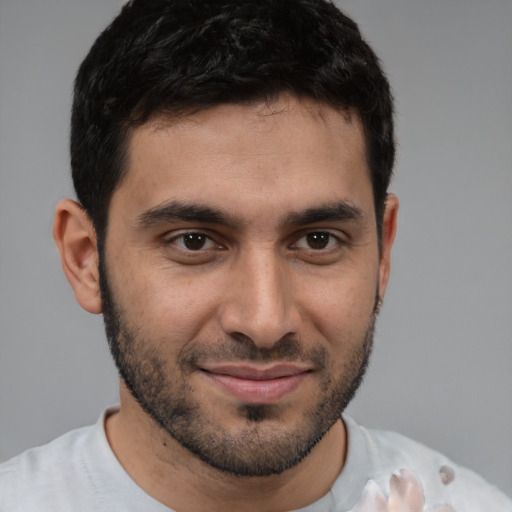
{"points": [[258, 279]]}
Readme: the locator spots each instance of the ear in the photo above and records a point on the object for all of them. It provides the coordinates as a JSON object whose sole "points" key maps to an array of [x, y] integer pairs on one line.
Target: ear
{"points": [[75, 237], [389, 223]]}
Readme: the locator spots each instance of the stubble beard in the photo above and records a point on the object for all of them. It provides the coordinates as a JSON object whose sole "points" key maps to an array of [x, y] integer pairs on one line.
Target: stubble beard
{"points": [[258, 447]]}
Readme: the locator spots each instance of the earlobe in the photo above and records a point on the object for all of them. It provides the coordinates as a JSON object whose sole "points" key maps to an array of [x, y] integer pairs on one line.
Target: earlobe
{"points": [[75, 237], [389, 224]]}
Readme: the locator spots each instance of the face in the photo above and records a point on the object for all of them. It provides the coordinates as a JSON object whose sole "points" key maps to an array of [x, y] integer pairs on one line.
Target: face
{"points": [[240, 278]]}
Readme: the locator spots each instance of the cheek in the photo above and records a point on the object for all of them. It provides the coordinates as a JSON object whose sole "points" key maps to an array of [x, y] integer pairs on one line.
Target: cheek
{"points": [[165, 305], [342, 307]]}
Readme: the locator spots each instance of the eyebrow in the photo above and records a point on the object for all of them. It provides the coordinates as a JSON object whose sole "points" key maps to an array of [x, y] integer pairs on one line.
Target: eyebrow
{"points": [[176, 210], [341, 211], [172, 211]]}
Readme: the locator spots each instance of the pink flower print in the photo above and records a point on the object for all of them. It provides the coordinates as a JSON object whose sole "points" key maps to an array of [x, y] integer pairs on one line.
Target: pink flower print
{"points": [[405, 495]]}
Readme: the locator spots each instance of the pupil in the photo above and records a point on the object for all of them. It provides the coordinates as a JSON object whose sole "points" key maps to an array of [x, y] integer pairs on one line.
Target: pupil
{"points": [[194, 241], [318, 240]]}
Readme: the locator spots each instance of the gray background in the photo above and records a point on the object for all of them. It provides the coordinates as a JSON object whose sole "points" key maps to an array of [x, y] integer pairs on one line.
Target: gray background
{"points": [[442, 367]]}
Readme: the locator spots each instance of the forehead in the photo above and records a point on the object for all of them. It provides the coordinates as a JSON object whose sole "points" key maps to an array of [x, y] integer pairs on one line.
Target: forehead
{"points": [[284, 154]]}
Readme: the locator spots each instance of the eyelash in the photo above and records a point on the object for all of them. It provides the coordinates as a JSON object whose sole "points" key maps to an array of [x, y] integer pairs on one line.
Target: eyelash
{"points": [[207, 238], [331, 239]]}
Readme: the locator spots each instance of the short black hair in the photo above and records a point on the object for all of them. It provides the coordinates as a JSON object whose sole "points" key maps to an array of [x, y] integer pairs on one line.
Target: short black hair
{"points": [[174, 57]]}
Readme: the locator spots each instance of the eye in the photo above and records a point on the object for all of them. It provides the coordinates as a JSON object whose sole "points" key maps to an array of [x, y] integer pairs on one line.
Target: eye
{"points": [[193, 242], [317, 241]]}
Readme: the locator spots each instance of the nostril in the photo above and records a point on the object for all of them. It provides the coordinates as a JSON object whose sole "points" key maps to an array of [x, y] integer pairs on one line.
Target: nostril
{"points": [[242, 339]]}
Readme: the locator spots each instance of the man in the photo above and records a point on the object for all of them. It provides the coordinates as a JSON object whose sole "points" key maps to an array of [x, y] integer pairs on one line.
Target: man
{"points": [[231, 162]]}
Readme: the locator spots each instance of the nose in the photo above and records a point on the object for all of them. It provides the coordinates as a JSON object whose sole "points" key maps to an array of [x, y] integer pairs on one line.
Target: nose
{"points": [[260, 301]]}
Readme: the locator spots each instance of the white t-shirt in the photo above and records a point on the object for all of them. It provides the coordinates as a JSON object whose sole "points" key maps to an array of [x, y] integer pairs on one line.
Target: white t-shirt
{"points": [[78, 472]]}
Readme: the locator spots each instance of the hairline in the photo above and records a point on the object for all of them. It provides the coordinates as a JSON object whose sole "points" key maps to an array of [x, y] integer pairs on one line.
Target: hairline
{"points": [[166, 117]]}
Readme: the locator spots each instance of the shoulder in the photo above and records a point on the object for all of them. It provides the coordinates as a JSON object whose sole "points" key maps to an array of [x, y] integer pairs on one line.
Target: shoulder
{"points": [[441, 480], [39, 478]]}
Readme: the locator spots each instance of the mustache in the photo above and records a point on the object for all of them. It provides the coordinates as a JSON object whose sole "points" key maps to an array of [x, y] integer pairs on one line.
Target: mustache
{"points": [[240, 348]]}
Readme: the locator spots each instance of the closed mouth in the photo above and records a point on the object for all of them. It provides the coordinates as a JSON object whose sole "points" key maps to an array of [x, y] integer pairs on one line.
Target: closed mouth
{"points": [[258, 384]]}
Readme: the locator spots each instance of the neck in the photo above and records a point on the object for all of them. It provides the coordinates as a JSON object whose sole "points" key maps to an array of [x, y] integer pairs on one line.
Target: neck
{"points": [[180, 480]]}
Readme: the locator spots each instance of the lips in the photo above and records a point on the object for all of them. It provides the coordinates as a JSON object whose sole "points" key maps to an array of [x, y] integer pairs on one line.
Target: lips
{"points": [[257, 384]]}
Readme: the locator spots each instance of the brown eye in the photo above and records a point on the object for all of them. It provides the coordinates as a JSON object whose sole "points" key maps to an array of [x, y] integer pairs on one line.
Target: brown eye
{"points": [[319, 247], [193, 242], [319, 240]]}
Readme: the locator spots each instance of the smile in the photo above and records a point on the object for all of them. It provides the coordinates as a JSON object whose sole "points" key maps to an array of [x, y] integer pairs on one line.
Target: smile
{"points": [[256, 385]]}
